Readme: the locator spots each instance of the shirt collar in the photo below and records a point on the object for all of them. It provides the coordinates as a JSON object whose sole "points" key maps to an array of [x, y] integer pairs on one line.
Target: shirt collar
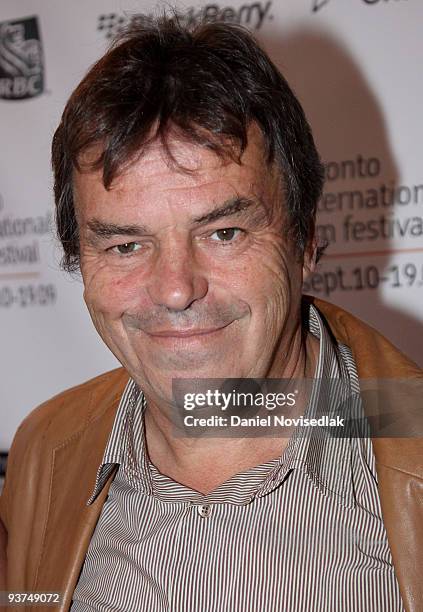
{"points": [[126, 444], [326, 460]]}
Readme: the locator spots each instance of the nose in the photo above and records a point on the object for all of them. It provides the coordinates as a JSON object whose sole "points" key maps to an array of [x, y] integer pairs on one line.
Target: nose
{"points": [[176, 280]]}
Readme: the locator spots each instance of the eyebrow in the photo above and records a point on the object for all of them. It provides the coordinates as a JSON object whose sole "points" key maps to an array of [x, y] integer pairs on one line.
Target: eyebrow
{"points": [[231, 207], [103, 229]]}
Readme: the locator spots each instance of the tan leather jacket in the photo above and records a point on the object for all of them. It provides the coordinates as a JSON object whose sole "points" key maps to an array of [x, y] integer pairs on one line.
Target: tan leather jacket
{"points": [[58, 448]]}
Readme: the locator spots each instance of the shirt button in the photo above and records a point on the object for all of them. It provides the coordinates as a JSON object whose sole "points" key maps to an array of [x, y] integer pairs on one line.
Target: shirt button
{"points": [[204, 511]]}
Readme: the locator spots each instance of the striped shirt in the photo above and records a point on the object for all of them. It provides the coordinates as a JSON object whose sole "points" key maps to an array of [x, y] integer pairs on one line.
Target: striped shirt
{"points": [[300, 533]]}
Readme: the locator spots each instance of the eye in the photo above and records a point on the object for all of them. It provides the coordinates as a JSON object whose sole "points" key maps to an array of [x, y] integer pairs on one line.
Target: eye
{"points": [[126, 249], [226, 234]]}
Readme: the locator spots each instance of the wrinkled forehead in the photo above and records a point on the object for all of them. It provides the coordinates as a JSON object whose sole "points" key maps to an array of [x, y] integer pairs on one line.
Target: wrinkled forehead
{"points": [[177, 164]]}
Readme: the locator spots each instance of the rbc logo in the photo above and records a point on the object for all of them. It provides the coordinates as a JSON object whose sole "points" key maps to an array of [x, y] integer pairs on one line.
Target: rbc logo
{"points": [[21, 60]]}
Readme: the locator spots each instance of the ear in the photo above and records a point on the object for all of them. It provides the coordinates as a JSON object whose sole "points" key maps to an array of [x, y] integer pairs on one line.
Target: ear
{"points": [[310, 259]]}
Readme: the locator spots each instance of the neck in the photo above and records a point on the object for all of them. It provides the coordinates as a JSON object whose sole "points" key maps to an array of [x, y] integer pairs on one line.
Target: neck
{"points": [[220, 458]]}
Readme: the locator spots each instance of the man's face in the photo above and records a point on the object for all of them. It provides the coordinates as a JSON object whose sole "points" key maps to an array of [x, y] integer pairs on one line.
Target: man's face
{"points": [[190, 275]]}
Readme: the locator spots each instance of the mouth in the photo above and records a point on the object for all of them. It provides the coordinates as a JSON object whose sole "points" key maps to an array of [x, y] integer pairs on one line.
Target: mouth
{"points": [[186, 333]]}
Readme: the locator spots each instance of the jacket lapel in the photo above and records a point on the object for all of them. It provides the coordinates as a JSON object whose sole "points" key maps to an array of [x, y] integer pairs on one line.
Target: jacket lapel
{"points": [[399, 461], [70, 522]]}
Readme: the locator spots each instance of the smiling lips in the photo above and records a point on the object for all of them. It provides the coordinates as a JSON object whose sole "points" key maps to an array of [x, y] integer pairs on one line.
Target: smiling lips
{"points": [[185, 333]]}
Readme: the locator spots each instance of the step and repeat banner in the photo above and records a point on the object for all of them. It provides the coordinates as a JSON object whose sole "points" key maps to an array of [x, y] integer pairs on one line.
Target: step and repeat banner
{"points": [[356, 67]]}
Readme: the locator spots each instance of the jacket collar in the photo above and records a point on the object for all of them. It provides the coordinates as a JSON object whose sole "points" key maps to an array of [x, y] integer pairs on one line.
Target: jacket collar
{"points": [[377, 359]]}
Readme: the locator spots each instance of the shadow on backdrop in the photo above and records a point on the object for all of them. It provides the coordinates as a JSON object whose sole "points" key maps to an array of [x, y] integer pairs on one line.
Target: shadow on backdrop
{"points": [[347, 121]]}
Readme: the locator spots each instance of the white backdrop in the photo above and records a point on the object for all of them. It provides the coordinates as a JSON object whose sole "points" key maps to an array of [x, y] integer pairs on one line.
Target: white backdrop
{"points": [[356, 67]]}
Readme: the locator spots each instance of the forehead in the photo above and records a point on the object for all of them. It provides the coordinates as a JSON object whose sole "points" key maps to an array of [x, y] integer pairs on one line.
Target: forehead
{"points": [[191, 173]]}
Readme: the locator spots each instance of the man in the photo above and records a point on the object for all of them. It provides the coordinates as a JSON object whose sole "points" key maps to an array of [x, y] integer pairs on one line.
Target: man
{"points": [[186, 183]]}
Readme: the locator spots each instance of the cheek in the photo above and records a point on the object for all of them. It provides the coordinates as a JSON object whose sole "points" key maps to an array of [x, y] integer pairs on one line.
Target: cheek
{"points": [[109, 293], [270, 275], [273, 283]]}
